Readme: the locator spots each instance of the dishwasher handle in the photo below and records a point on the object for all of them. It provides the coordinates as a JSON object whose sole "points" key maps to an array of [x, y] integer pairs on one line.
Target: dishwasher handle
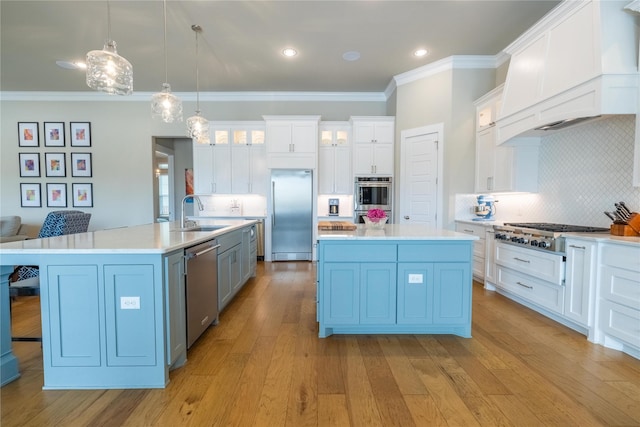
{"points": [[191, 255]]}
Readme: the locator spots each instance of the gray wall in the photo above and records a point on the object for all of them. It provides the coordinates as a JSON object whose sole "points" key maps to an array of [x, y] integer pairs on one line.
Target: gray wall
{"points": [[446, 97], [122, 133]]}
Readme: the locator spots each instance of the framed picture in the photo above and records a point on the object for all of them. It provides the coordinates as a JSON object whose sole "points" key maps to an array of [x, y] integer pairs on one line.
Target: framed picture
{"points": [[54, 134], [28, 135], [54, 164], [57, 195], [30, 196], [80, 164], [82, 195], [80, 134], [29, 164]]}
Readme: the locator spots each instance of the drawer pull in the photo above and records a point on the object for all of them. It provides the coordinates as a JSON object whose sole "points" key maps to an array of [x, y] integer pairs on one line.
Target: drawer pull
{"points": [[468, 231], [524, 286], [577, 247], [522, 260]]}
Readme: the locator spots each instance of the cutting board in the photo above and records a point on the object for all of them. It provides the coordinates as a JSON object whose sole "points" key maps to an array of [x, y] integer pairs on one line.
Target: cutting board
{"points": [[336, 225]]}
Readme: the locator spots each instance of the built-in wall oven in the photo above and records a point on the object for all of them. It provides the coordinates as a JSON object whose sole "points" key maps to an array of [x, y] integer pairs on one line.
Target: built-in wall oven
{"points": [[372, 192]]}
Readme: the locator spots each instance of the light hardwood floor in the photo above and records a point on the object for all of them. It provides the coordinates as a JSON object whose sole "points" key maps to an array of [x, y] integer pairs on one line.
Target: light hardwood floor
{"points": [[265, 366]]}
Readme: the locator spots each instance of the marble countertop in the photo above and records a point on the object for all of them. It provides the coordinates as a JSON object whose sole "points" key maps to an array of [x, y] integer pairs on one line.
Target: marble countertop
{"points": [[395, 232], [156, 238]]}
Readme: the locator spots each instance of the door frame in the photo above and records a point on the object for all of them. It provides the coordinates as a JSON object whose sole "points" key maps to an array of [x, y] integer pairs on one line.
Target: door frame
{"points": [[411, 133]]}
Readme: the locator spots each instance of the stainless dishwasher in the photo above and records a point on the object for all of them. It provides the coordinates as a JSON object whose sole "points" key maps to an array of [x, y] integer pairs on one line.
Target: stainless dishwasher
{"points": [[201, 274]]}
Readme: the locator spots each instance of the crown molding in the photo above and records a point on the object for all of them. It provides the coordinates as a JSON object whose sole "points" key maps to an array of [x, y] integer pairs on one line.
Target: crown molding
{"points": [[204, 96], [449, 63], [634, 6]]}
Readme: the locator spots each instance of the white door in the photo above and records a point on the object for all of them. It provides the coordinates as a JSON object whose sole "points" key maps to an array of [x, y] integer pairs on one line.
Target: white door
{"points": [[419, 183]]}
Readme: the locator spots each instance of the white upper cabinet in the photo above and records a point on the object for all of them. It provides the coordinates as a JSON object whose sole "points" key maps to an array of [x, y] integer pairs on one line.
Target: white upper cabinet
{"points": [[292, 141], [502, 168], [212, 164], [334, 158], [234, 163], [373, 145], [249, 160]]}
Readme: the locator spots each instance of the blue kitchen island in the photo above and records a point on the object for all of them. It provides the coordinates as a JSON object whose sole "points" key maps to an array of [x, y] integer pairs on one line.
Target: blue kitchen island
{"points": [[404, 279], [112, 303]]}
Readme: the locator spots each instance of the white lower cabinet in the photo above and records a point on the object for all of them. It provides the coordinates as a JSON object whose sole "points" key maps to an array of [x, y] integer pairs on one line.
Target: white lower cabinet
{"points": [[478, 246], [619, 313], [580, 280], [533, 276], [490, 275]]}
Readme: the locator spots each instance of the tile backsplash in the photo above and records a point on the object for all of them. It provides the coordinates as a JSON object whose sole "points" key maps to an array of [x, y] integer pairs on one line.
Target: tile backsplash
{"points": [[583, 170]]}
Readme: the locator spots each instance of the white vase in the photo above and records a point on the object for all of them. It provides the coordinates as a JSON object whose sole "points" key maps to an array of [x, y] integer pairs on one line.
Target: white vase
{"points": [[376, 225]]}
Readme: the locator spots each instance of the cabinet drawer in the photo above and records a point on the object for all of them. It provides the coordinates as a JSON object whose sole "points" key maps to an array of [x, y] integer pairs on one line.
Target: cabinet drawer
{"points": [[621, 322], [436, 252], [479, 248], [473, 229], [621, 286], [359, 253], [541, 293], [549, 267], [627, 257], [229, 240]]}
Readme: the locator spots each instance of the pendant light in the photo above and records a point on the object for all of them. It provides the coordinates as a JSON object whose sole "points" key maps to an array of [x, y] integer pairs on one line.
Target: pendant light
{"points": [[106, 70], [198, 126], [164, 104]]}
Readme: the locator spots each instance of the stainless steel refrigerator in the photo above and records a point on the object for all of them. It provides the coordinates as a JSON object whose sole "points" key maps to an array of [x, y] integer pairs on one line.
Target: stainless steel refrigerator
{"points": [[291, 220]]}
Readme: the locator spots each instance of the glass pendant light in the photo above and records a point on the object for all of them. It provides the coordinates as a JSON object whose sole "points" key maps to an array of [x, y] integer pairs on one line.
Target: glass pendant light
{"points": [[198, 126], [164, 104], [106, 70]]}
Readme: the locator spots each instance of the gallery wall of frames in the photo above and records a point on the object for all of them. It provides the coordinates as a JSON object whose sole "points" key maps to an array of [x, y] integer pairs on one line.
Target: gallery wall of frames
{"points": [[50, 153]]}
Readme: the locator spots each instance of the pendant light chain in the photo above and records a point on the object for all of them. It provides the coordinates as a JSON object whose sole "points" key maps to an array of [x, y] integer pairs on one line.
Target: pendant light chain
{"points": [[197, 29], [166, 73]]}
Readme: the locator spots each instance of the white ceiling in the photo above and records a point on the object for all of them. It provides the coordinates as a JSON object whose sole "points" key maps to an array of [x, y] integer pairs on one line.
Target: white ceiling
{"points": [[241, 42]]}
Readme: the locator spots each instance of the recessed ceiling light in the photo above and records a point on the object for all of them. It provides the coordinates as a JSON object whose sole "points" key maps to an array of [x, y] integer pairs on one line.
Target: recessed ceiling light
{"points": [[289, 52], [419, 53], [72, 65], [352, 55]]}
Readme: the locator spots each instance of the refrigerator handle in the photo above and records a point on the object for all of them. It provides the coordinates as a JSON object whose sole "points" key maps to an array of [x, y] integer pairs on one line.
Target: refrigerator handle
{"points": [[273, 204]]}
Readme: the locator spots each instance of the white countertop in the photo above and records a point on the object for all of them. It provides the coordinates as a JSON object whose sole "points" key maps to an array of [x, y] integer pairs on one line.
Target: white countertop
{"points": [[594, 237], [156, 238], [395, 232]]}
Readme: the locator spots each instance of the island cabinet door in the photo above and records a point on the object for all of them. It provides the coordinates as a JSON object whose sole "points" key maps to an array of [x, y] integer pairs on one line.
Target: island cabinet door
{"points": [[176, 307], [341, 293], [415, 293], [130, 315], [378, 293], [75, 334], [452, 294]]}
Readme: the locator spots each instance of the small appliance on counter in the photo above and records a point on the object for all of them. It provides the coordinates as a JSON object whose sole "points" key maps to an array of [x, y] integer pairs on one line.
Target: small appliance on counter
{"points": [[485, 209], [334, 207]]}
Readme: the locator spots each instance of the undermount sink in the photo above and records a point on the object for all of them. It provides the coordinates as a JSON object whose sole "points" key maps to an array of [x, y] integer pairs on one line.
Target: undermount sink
{"points": [[200, 228]]}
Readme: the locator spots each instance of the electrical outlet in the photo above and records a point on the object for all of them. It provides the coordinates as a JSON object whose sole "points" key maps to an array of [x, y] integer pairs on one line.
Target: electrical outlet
{"points": [[130, 303], [415, 278]]}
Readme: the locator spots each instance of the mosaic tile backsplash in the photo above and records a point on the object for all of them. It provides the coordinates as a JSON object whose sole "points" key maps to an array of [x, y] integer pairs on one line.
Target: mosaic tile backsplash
{"points": [[583, 170]]}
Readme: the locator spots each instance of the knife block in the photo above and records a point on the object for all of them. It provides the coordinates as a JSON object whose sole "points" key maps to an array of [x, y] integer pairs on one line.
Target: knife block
{"points": [[631, 228]]}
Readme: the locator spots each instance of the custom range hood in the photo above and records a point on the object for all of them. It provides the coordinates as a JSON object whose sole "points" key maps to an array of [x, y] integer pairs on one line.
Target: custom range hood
{"points": [[580, 62]]}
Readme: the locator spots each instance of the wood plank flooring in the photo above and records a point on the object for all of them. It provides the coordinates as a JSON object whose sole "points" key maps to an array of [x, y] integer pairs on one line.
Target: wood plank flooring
{"points": [[264, 365]]}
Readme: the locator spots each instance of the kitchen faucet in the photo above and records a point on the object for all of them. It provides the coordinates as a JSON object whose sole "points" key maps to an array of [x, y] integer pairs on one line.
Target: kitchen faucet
{"points": [[184, 223]]}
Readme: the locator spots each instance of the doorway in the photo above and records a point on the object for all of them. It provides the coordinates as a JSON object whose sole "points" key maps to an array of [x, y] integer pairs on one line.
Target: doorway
{"points": [[421, 154], [164, 187]]}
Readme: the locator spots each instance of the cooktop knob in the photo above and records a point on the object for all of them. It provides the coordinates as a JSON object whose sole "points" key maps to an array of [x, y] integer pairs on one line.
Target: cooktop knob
{"points": [[544, 244], [534, 243]]}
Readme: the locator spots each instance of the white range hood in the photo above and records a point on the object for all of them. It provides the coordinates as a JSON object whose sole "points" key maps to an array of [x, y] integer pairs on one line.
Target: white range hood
{"points": [[580, 61]]}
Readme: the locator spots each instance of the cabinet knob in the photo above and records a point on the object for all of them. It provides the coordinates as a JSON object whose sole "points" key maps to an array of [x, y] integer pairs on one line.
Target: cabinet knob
{"points": [[406, 217]]}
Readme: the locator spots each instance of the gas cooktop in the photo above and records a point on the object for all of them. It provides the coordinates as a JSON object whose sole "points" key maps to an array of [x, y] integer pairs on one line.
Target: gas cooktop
{"points": [[557, 228], [540, 235]]}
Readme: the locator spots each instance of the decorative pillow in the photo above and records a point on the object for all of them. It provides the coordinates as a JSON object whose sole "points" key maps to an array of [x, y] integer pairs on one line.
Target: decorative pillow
{"points": [[9, 225]]}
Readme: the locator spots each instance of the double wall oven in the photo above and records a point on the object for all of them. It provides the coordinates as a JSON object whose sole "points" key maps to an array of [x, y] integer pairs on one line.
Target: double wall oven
{"points": [[372, 192]]}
